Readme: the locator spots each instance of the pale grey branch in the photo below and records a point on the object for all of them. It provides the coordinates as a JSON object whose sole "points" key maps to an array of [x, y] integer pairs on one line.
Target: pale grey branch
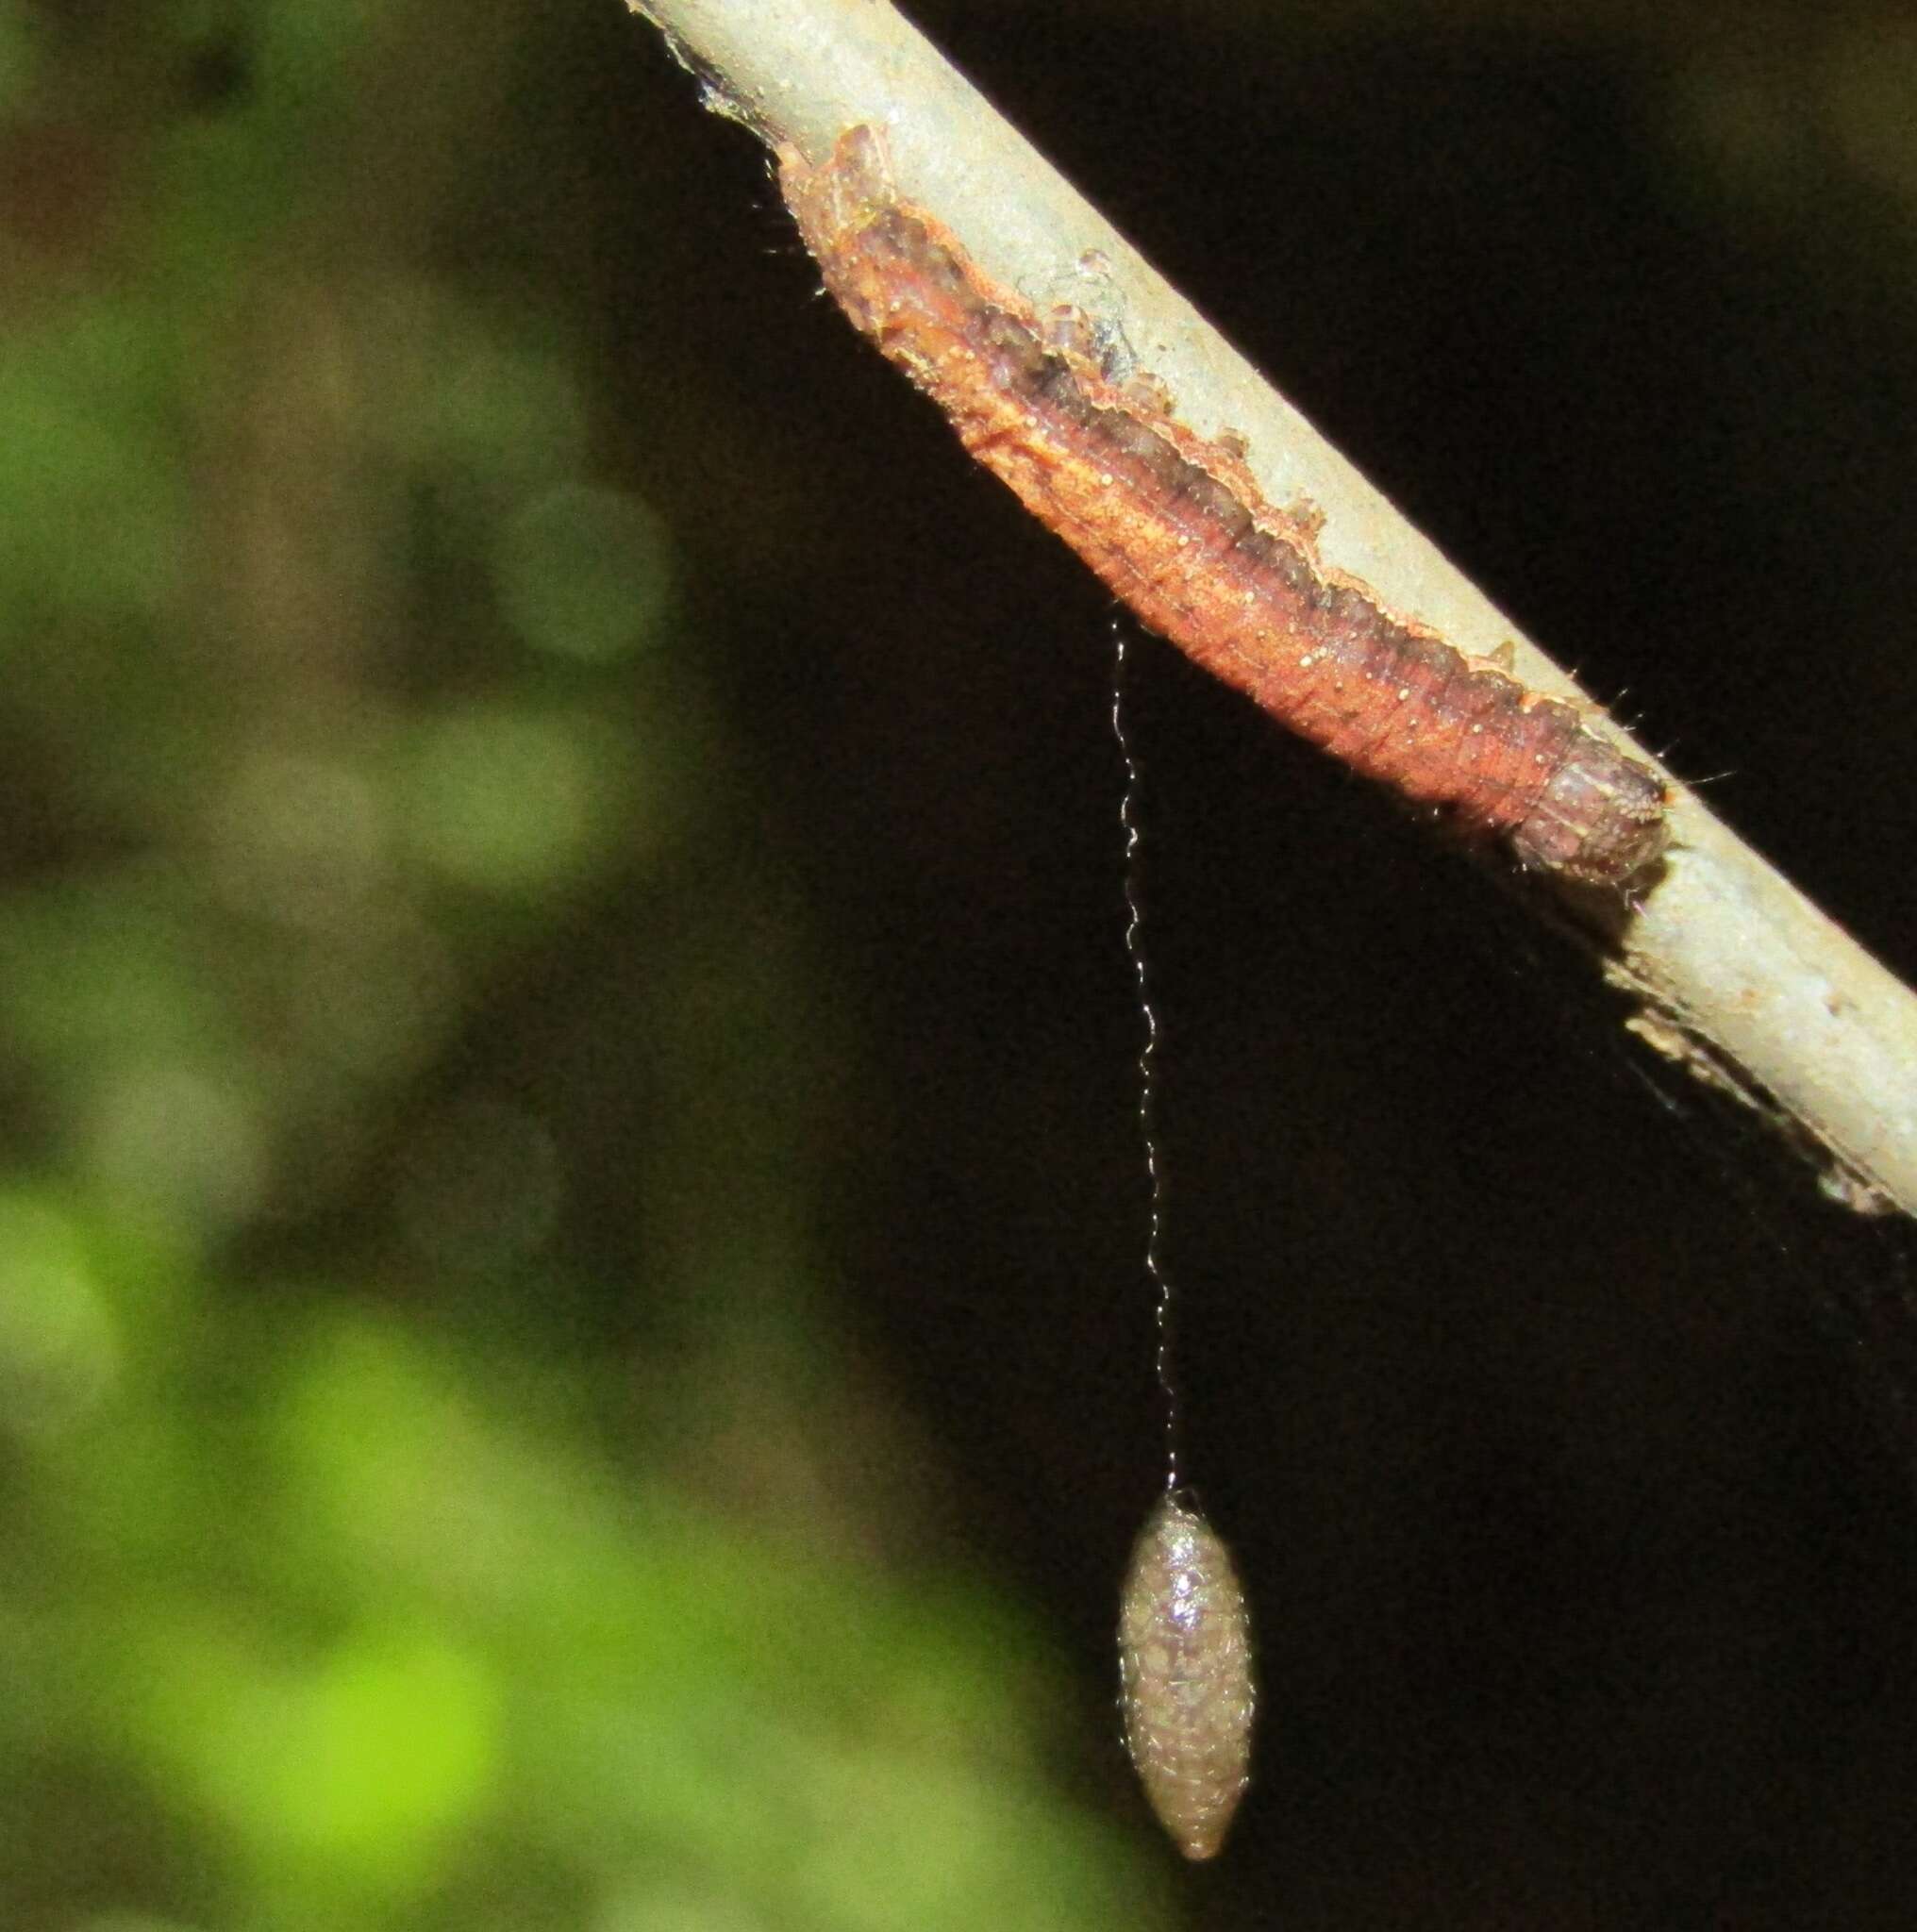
{"points": [[1740, 975]]}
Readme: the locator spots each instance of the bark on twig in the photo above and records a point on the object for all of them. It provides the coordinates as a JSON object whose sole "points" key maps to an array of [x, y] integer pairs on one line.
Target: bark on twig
{"points": [[1737, 975]]}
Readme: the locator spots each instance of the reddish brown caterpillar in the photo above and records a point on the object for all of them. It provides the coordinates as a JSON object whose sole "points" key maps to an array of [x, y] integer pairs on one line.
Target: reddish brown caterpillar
{"points": [[1178, 528], [1185, 1669]]}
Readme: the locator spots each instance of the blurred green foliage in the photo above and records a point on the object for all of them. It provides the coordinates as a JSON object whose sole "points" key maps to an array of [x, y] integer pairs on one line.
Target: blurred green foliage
{"points": [[386, 1541]]}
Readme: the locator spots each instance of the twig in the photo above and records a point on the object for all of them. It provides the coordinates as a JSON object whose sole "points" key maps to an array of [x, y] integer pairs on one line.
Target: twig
{"points": [[1737, 975]]}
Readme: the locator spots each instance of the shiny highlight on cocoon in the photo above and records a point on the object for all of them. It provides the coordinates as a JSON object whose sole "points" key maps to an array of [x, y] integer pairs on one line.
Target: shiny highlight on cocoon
{"points": [[1185, 1667]]}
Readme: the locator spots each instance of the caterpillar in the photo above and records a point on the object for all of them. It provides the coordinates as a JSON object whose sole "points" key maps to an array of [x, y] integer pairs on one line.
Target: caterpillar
{"points": [[1185, 1672], [1179, 530]]}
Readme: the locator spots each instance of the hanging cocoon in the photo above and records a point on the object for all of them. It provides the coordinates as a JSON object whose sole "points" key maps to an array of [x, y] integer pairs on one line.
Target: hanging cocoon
{"points": [[1184, 1646]]}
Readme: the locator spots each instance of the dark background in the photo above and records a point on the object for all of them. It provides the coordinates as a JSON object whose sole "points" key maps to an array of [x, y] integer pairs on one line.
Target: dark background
{"points": [[1557, 1421], [1524, 1380]]}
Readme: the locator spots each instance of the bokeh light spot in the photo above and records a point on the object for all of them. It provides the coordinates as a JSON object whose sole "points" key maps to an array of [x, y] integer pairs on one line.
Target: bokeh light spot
{"points": [[174, 1140], [60, 1345], [584, 572], [503, 799]]}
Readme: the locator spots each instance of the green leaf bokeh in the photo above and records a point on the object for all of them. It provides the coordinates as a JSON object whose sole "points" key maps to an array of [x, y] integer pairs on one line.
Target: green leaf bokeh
{"points": [[435, 1495]]}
